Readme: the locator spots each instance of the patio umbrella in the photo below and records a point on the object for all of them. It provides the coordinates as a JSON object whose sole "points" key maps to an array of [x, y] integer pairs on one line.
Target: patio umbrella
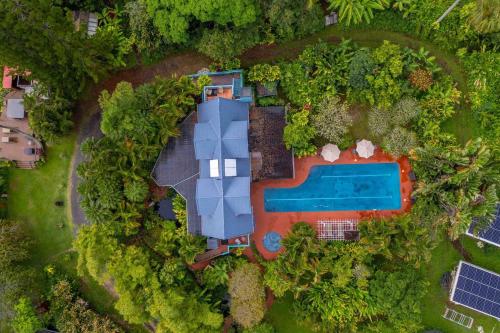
{"points": [[330, 152], [365, 148]]}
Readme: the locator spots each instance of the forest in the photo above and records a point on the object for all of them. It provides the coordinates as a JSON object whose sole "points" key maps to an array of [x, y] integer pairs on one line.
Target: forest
{"points": [[405, 97]]}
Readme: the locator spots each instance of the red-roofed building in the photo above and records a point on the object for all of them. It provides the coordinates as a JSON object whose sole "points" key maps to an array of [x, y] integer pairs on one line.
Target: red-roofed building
{"points": [[7, 79]]}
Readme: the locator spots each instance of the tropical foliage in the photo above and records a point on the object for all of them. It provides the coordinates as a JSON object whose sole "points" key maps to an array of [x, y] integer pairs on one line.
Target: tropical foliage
{"points": [[461, 180], [332, 120], [247, 295], [298, 134], [356, 11]]}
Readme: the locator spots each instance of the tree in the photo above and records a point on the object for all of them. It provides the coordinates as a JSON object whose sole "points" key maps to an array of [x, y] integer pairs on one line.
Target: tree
{"points": [[48, 118], [332, 119], [145, 34], [247, 295], [15, 280], [173, 19], [405, 110], [421, 79], [485, 18], [357, 11], [265, 74], [224, 46], [25, 319], [289, 19], [42, 40], [298, 134], [73, 314], [136, 190], [379, 121], [399, 141], [361, 65], [461, 180]]}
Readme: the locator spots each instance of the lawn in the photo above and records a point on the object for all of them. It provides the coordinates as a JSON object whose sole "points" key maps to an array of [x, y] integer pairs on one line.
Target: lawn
{"points": [[32, 197], [444, 259], [282, 317]]}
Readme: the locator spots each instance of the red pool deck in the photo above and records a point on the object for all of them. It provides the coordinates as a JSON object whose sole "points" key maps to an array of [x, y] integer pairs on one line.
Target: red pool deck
{"points": [[282, 222]]}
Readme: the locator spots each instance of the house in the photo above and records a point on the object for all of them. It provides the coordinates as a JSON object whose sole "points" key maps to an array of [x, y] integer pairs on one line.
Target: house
{"points": [[17, 143], [223, 186], [226, 84], [85, 19]]}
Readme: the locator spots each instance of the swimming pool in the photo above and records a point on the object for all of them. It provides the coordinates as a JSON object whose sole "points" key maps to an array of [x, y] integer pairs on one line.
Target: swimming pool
{"points": [[340, 187]]}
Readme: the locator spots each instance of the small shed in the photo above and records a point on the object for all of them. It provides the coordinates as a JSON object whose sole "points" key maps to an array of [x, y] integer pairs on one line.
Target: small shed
{"points": [[331, 18], [86, 18], [166, 209]]}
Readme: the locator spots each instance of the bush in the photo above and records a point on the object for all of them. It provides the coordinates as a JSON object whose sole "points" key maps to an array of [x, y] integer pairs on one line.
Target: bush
{"points": [[224, 46], [136, 190], [332, 119], [269, 101], [399, 142], [247, 295], [404, 111], [25, 320], [361, 65], [264, 73], [420, 79], [379, 121], [298, 134], [48, 118]]}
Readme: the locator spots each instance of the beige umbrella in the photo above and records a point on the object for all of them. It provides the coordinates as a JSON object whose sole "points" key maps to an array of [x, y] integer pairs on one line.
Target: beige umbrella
{"points": [[330, 152], [365, 148]]}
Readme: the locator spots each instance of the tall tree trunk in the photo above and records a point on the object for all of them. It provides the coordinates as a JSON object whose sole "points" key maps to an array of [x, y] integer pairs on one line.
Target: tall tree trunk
{"points": [[453, 5]]}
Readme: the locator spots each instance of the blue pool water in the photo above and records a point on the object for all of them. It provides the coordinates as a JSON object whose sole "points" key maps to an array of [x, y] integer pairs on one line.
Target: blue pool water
{"points": [[340, 187]]}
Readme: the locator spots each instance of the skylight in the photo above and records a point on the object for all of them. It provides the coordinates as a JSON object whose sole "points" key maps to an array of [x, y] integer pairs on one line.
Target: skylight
{"points": [[230, 167], [214, 168]]}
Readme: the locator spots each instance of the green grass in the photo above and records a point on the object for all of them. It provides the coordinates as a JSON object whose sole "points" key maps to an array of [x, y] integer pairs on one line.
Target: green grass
{"points": [[32, 194], [282, 317], [444, 259]]}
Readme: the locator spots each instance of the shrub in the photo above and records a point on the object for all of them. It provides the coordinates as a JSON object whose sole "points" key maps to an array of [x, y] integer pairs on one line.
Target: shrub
{"points": [[298, 134], [264, 73], [332, 119], [420, 79], [25, 320], [399, 141], [224, 46], [379, 121], [247, 295], [269, 101], [48, 118], [361, 65], [136, 190], [404, 111]]}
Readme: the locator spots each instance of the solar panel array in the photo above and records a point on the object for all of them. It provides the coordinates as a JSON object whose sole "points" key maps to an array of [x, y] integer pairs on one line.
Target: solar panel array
{"points": [[478, 289], [490, 234]]}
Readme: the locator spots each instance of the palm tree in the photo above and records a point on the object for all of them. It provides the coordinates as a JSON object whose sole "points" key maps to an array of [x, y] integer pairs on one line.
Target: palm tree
{"points": [[357, 11], [462, 181], [486, 16]]}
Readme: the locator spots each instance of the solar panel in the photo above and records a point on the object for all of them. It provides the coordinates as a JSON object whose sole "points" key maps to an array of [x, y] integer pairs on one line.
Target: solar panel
{"points": [[477, 289], [490, 234]]}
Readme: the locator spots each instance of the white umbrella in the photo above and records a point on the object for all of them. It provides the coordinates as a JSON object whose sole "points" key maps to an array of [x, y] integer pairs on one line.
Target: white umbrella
{"points": [[330, 152], [365, 148]]}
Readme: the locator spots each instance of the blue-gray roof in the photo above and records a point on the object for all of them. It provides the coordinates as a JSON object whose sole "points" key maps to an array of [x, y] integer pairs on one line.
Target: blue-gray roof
{"points": [[223, 202]]}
